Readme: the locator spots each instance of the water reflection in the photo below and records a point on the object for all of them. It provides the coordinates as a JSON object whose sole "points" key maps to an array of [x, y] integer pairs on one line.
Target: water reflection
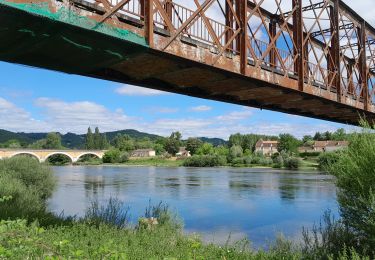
{"points": [[256, 203]]}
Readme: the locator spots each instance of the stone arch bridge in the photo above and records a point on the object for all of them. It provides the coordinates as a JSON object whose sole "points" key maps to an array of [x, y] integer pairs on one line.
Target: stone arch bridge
{"points": [[43, 155]]}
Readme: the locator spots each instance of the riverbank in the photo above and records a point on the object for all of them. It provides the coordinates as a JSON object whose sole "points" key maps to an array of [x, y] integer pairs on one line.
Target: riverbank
{"points": [[88, 241], [173, 162], [105, 232]]}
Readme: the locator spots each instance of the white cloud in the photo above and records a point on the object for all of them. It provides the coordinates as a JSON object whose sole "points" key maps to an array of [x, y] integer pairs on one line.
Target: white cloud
{"points": [[162, 110], [62, 116], [202, 108], [235, 115], [14, 118], [77, 116], [130, 90]]}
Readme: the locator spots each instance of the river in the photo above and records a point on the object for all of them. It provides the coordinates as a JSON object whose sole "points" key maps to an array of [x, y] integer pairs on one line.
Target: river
{"points": [[257, 204]]}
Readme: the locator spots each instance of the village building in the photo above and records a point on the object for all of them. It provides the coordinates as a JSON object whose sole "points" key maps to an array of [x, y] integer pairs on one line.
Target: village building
{"points": [[183, 152], [266, 147], [306, 149], [329, 146], [324, 146], [143, 153]]}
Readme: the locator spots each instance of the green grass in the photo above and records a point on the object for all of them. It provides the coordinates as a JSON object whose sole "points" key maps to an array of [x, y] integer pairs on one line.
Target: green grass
{"points": [[309, 164], [154, 161], [83, 241]]}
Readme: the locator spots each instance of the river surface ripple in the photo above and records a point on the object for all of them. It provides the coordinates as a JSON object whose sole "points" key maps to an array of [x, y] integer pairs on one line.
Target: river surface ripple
{"points": [[257, 204]]}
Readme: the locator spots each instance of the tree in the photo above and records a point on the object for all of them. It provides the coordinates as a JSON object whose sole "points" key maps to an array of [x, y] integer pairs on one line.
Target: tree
{"points": [[13, 143], [172, 145], [144, 143], [307, 139], [327, 136], [123, 143], [339, 135], [222, 151], [40, 144], [97, 139], [235, 139], [89, 140], [288, 143], [318, 136], [104, 143], [206, 149], [53, 141], [159, 149], [193, 145], [176, 135], [235, 151]]}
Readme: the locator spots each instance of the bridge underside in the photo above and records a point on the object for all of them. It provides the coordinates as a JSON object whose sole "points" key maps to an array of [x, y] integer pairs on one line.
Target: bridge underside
{"points": [[34, 40]]}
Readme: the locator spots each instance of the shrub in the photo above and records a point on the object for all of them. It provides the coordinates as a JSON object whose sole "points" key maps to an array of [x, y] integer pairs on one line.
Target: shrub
{"points": [[124, 157], [238, 161], [28, 182], [115, 156], [312, 154], [328, 238], [263, 161], [205, 161], [292, 163], [114, 213], [235, 152], [275, 155], [247, 160], [325, 160], [165, 217], [278, 162], [112, 156], [257, 158], [355, 178]]}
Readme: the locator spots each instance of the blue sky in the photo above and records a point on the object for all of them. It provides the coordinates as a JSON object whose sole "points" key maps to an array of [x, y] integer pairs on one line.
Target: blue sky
{"points": [[36, 100]]}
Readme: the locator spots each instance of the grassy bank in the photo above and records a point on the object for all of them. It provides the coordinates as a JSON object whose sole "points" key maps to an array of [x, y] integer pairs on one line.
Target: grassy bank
{"points": [[154, 161], [83, 241]]}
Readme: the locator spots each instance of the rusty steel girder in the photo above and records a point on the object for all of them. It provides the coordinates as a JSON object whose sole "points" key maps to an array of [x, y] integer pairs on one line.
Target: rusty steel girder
{"points": [[268, 49]]}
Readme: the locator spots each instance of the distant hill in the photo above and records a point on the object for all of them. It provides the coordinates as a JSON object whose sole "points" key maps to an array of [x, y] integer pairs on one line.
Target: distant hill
{"points": [[75, 141], [132, 133], [213, 141], [69, 140], [7, 135]]}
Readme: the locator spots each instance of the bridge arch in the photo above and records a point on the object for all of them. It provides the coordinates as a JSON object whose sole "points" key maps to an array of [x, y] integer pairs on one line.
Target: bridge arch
{"points": [[89, 153], [26, 153], [72, 160]]}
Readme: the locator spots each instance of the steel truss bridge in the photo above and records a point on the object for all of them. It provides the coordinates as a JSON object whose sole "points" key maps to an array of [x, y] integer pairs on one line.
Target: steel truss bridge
{"points": [[313, 58]]}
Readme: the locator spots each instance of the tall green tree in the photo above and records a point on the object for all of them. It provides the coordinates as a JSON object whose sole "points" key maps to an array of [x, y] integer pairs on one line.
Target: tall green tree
{"points": [[235, 151], [123, 143], [193, 144], [340, 135], [89, 140], [97, 139], [206, 149], [173, 143], [318, 136], [307, 140], [53, 141], [104, 143], [235, 139], [288, 143]]}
